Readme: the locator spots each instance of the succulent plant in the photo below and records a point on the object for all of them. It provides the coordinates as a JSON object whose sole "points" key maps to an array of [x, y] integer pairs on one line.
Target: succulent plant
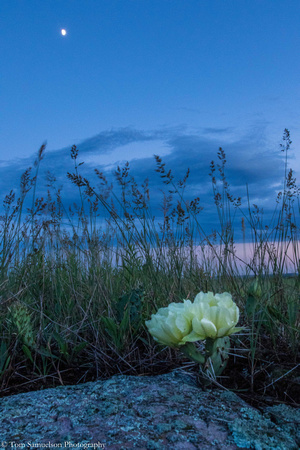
{"points": [[210, 318], [21, 319]]}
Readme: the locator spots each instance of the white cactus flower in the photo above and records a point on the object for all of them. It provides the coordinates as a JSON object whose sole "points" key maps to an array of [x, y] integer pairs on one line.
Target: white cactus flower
{"points": [[170, 325], [209, 316], [214, 316]]}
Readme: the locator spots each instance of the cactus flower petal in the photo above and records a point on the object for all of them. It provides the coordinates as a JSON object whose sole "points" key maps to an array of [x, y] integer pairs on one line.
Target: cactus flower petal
{"points": [[209, 328]]}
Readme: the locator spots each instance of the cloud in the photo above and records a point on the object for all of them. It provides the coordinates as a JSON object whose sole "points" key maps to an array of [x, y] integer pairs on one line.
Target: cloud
{"points": [[107, 141], [214, 130], [250, 160]]}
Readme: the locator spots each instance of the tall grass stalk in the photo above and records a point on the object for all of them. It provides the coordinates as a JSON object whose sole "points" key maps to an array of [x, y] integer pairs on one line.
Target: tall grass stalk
{"points": [[84, 291]]}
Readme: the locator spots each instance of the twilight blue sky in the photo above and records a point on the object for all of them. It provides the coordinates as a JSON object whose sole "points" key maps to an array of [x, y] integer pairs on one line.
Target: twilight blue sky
{"points": [[133, 78]]}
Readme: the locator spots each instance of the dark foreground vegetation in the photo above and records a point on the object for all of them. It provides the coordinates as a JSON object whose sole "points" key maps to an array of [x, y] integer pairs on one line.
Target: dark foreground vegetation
{"points": [[74, 296]]}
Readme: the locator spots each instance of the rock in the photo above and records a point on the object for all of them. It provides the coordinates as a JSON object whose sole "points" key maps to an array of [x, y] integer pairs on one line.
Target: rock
{"points": [[161, 412]]}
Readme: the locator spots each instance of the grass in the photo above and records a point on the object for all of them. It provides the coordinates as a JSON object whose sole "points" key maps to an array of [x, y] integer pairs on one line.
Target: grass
{"points": [[75, 296]]}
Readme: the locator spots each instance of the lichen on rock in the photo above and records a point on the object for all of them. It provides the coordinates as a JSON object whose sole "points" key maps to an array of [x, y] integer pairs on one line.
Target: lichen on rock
{"points": [[167, 411]]}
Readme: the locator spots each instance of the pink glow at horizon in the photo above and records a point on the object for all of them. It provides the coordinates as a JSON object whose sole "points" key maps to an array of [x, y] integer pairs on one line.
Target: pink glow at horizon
{"points": [[207, 257], [245, 252]]}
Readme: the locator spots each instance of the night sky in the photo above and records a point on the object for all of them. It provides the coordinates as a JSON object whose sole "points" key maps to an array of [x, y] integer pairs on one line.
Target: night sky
{"points": [[134, 78]]}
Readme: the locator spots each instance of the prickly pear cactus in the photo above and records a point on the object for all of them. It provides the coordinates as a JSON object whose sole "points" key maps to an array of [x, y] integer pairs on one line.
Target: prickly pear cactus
{"points": [[213, 362], [191, 352], [218, 357]]}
